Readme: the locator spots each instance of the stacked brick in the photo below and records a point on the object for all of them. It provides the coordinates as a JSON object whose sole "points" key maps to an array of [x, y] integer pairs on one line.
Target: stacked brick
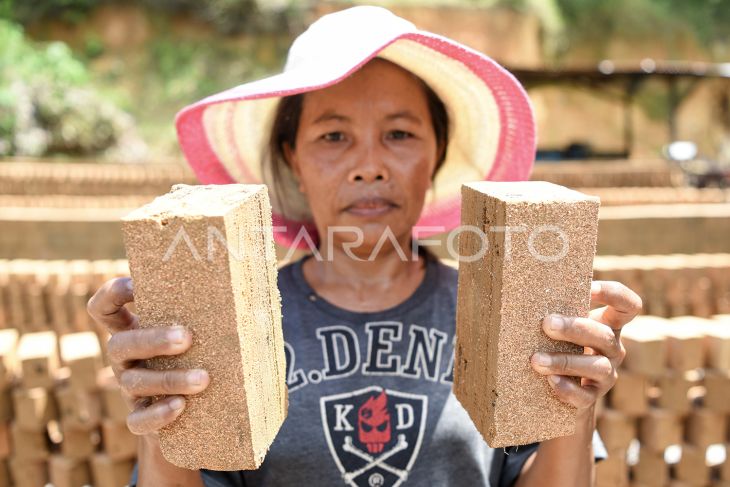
{"points": [[658, 195], [666, 421], [38, 295], [609, 174], [62, 416], [672, 285], [38, 178]]}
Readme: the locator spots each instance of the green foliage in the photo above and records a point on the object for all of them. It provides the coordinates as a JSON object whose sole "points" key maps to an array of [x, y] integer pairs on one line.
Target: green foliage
{"points": [[47, 106]]}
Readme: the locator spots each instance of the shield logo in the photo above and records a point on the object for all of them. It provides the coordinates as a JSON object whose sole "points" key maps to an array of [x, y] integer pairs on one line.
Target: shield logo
{"points": [[374, 434]]}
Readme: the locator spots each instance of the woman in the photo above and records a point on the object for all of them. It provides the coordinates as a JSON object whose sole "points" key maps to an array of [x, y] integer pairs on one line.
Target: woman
{"points": [[364, 151]]}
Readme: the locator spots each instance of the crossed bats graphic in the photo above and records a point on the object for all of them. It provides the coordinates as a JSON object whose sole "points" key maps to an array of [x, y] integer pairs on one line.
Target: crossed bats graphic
{"points": [[349, 447]]}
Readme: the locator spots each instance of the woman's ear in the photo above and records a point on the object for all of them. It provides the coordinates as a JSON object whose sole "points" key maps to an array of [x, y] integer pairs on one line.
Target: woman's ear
{"points": [[293, 161]]}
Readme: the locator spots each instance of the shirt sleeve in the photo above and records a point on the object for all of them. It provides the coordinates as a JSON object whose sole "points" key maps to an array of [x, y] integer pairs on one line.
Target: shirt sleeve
{"points": [[210, 478], [514, 459]]}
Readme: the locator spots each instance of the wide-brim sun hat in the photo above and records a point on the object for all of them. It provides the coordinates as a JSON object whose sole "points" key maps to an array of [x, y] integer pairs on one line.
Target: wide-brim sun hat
{"points": [[224, 137]]}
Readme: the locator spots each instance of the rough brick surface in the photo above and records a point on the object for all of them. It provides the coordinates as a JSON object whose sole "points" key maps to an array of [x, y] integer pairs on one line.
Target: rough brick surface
{"points": [[228, 297], [504, 295]]}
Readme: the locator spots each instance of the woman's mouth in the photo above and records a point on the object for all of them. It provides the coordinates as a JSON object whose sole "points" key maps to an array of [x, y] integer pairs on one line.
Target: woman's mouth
{"points": [[370, 207]]}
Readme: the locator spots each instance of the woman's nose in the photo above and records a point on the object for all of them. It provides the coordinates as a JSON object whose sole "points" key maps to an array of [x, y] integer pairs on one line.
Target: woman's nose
{"points": [[369, 167]]}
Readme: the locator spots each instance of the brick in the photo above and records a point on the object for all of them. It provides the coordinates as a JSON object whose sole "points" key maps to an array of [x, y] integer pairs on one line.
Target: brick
{"points": [[692, 466], [629, 394], [113, 405], [659, 429], [724, 469], [78, 443], [717, 387], [231, 424], [674, 392], [78, 409], [34, 408], [118, 442], [81, 353], [651, 470], [717, 342], [613, 471], [685, 341], [505, 292], [705, 428], [28, 472], [30, 445], [8, 362], [107, 472], [68, 472], [38, 357], [616, 430], [646, 347]]}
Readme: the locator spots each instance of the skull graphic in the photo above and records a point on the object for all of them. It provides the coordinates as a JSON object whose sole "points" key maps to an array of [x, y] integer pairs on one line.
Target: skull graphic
{"points": [[373, 423]]}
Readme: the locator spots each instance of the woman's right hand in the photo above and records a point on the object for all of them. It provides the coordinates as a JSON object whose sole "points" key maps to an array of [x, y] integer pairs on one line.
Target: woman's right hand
{"points": [[127, 349]]}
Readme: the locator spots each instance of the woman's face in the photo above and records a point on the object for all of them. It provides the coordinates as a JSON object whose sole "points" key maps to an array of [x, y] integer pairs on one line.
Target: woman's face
{"points": [[365, 153]]}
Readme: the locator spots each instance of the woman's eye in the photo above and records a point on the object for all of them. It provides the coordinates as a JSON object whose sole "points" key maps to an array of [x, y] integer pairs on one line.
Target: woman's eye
{"points": [[399, 134], [334, 137]]}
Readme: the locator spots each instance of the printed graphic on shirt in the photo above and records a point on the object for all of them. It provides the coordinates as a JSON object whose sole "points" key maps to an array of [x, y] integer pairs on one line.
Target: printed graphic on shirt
{"points": [[374, 434]]}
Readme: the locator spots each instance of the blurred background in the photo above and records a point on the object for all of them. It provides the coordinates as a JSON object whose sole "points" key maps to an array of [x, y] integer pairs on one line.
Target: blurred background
{"points": [[633, 105]]}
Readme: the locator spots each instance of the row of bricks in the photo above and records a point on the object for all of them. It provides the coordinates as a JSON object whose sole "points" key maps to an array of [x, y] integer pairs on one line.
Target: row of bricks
{"points": [[41, 360], [52, 295], [607, 175], [683, 466], [37, 178], [100, 470], [42, 295], [672, 285], [609, 197]]}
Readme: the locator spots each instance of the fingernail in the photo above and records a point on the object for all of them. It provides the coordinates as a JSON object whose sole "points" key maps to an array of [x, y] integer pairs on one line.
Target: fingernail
{"points": [[176, 336], [556, 322], [543, 359], [129, 285], [195, 377], [555, 379], [176, 404], [595, 287]]}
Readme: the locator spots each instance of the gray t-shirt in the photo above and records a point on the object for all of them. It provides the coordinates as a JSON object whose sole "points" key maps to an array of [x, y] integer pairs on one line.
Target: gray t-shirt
{"points": [[370, 401]]}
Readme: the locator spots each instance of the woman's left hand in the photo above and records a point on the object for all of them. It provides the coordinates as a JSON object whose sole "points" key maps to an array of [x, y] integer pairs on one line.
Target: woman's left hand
{"points": [[600, 334]]}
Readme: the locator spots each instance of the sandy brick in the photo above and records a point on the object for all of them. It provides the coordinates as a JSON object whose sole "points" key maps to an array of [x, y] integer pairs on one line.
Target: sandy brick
{"points": [[616, 429], [717, 387], [685, 341], [674, 387], [659, 429], [81, 353], [613, 471], [705, 428], [34, 408], [29, 445], [79, 443], [27, 472], [651, 469], [692, 467], [646, 346], [175, 252], [509, 281], [628, 394], [68, 472], [118, 442], [4, 440], [78, 409], [717, 342], [107, 472], [38, 357]]}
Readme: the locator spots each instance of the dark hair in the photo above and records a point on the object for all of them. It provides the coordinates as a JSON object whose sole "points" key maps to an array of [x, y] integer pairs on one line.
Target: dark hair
{"points": [[286, 124]]}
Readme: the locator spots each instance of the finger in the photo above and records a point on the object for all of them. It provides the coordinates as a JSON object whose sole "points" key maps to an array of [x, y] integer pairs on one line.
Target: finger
{"points": [[570, 392], [145, 420], [107, 308], [596, 368], [126, 348], [623, 303], [138, 382], [585, 332]]}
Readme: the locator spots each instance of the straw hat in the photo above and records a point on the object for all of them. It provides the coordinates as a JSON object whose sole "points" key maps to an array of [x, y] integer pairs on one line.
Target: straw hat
{"points": [[491, 126]]}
